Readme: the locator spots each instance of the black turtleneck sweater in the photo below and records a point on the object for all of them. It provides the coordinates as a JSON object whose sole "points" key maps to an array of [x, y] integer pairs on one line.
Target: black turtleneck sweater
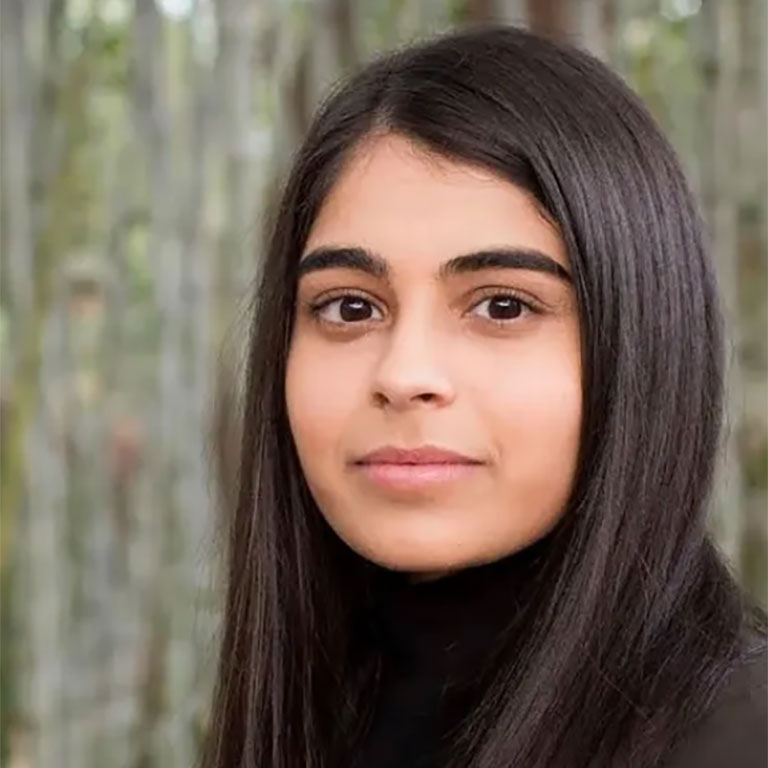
{"points": [[438, 638]]}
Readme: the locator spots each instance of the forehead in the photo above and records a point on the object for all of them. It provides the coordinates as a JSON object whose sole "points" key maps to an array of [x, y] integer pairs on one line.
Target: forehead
{"points": [[414, 207]]}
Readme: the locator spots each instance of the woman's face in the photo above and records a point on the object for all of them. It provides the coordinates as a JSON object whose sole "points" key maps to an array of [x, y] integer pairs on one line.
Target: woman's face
{"points": [[405, 339]]}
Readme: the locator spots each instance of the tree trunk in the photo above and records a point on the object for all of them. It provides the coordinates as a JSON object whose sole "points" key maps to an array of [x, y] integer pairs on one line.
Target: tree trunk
{"points": [[550, 17]]}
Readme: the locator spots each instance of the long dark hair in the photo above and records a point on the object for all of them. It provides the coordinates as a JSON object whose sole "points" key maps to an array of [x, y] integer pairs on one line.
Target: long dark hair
{"points": [[631, 619]]}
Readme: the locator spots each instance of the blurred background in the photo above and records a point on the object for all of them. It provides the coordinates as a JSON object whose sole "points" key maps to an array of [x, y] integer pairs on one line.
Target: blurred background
{"points": [[141, 143]]}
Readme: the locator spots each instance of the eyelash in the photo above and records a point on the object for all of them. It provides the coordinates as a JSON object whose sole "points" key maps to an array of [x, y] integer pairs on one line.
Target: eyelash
{"points": [[315, 308]]}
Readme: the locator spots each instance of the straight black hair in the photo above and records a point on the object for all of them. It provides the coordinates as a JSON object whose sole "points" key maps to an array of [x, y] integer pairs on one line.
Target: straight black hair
{"points": [[628, 621]]}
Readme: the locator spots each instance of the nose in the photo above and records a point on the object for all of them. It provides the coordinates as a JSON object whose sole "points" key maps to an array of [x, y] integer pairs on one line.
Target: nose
{"points": [[409, 372]]}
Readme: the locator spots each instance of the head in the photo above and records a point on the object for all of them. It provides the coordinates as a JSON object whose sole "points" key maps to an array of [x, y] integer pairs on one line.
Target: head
{"points": [[485, 245], [434, 307]]}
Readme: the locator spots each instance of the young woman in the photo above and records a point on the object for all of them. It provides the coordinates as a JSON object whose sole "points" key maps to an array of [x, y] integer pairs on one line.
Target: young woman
{"points": [[483, 408]]}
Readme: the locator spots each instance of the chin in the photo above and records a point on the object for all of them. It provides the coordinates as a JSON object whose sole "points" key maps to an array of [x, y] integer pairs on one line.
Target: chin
{"points": [[422, 567]]}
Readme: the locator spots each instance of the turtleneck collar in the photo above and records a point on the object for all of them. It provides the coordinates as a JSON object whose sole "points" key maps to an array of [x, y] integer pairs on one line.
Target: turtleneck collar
{"points": [[449, 625]]}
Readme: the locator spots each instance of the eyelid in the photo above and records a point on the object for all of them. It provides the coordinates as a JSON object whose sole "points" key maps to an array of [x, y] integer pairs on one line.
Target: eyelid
{"points": [[340, 293]]}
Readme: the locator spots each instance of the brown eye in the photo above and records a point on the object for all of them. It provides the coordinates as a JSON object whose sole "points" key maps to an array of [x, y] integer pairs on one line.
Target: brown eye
{"points": [[346, 309], [502, 306]]}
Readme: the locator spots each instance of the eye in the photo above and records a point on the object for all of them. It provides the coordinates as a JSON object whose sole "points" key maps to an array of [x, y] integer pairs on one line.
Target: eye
{"points": [[345, 309], [503, 307]]}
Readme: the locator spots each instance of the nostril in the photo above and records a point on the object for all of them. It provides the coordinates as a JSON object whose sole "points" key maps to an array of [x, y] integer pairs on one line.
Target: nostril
{"points": [[382, 398]]}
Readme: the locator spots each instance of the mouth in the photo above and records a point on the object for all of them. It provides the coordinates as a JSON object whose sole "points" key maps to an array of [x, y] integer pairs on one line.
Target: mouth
{"points": [[412, 469]]}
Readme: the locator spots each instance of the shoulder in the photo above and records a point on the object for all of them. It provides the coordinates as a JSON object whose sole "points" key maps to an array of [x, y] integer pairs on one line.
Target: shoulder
{"points": [[735, 731]]}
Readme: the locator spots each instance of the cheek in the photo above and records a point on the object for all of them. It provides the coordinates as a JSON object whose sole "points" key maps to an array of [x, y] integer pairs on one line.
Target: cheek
{"points": [[539, 398], [321, 392], [533, 408]]}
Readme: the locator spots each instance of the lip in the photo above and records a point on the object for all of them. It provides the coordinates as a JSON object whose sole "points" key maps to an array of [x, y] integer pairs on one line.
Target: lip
{"points": [[408, 469], [424, 454]]}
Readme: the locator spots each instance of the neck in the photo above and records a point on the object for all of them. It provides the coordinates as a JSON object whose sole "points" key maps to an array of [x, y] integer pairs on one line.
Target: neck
{"points": [[421, 576]]}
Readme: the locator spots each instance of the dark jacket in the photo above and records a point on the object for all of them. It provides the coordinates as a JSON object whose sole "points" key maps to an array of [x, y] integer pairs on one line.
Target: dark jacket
{"points": [[735, 732]]}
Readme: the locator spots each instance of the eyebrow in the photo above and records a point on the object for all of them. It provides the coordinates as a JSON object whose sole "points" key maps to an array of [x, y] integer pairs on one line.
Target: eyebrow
{"points": [[355, 257]]}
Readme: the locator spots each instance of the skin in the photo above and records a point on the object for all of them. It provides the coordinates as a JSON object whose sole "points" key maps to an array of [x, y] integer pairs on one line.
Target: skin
{"points": [[431, 359]]}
